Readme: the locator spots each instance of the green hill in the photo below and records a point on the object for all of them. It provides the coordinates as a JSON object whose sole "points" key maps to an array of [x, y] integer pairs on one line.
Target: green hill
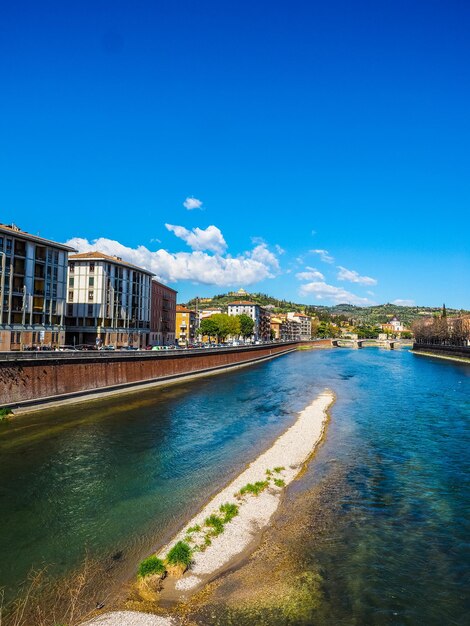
{"points": [[375, 314]]}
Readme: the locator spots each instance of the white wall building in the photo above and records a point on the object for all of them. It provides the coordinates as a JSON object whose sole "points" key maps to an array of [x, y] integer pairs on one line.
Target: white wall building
{"points": [[244, 307], [108, 301], [258, 314]]}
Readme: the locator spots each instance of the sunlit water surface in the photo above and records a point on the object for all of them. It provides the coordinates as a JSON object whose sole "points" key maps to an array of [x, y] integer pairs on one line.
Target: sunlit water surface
{"points": [[118, 476]]}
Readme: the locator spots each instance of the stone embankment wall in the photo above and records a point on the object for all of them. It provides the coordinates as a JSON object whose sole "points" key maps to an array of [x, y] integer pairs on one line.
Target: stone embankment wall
{"points": [[455, 351], [30, 378]]}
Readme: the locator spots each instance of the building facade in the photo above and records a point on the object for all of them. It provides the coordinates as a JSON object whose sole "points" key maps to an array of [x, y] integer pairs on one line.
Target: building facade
{"points": [[305, 322], [393, 326], [33, 279], [162, 315], [186, 326], [259, 315], [108, 302]]}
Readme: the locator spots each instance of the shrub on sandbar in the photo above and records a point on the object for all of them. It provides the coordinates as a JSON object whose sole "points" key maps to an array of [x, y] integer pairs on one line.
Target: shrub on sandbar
{"points": [[216, 523], [279, 482], [151, 565], [193, 529], [229, 510], [278, 470], [4, 413], [254, 488], [180, 554]]}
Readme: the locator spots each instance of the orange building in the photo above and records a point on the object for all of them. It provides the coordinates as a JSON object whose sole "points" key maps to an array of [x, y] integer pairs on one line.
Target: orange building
{"points": [[186, 325]]}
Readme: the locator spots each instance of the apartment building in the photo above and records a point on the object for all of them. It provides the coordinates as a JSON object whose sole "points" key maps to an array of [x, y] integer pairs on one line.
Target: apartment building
{"points": [[162, 315], [186, 325], [259, 315], [108, 302], [305, 322], [33, 278]]}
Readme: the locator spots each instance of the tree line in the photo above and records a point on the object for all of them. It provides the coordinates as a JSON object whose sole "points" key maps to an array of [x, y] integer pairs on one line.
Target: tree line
{"points": [[443, 330]]}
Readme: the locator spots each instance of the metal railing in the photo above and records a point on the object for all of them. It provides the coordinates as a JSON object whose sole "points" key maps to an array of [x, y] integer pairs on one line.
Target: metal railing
{"points": [[52, 355]]}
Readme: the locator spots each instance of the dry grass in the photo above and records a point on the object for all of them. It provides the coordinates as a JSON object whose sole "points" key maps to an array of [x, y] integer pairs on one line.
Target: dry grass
{"points": [[45, 601]]}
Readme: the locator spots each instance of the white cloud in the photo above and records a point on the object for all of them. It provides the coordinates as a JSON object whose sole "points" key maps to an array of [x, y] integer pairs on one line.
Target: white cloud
{"points": [[279, 250], [338, 295], [310, 273], [198, 239], [400, 302], [197, 266], [192, 203], [324, 255], [262, 254], [353, 277]]}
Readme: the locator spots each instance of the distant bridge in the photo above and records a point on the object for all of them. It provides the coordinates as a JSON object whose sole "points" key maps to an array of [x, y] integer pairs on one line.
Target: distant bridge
{"points": [[388, 344]]}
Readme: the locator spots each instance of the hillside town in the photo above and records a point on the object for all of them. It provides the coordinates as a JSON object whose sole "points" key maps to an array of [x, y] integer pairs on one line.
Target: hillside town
{"points": [[53, 297]]}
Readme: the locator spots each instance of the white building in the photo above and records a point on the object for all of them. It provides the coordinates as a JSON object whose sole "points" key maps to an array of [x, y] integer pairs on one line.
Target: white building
{"points": [[33, 279], [305, 324], [108, 301], [206, 313], [260, 317]]}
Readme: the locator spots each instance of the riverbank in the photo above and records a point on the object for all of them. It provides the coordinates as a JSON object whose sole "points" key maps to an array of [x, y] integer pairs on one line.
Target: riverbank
{"points": [[269, 474], [445, 357]]}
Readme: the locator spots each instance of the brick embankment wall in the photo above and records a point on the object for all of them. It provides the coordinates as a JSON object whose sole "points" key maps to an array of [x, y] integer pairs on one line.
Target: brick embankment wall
{"points": [[29, 379], [316, 343]]}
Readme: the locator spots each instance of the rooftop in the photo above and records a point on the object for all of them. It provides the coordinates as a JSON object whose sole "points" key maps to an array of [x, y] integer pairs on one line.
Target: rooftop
{"points": [[12, 229], [242, 302], [100, 256]]}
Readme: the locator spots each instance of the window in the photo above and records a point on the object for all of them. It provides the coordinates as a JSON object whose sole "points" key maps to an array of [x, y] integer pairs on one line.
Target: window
{"points": [[71, 281], [90, 310], [91, 281], [72, 267], [90, 296], [92, 268], [70, 298], [69, 310]]}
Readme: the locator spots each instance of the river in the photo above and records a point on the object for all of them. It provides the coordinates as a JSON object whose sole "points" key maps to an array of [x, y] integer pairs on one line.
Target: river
{"points": [[384, 506]]}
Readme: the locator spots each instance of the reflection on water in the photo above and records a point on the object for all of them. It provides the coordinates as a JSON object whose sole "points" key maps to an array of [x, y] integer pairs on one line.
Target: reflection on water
{"points": [[376, 532]]}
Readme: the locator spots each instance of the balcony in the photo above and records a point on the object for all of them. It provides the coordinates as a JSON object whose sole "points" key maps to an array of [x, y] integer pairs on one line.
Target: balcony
{"points": [[20, 248]]}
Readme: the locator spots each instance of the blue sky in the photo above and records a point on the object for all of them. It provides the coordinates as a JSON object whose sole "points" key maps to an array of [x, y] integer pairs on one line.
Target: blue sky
{"points": [[300, 127]]}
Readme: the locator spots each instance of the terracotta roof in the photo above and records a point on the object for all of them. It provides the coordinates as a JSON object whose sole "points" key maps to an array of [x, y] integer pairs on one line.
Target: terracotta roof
{"points": [[242, 302], [100, 256], [182, 309], [22, 234]]}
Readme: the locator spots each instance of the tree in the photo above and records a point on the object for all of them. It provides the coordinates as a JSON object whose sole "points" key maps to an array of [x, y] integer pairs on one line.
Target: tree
{"points": [[225, 325], [208, 327], [246, 325]]}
